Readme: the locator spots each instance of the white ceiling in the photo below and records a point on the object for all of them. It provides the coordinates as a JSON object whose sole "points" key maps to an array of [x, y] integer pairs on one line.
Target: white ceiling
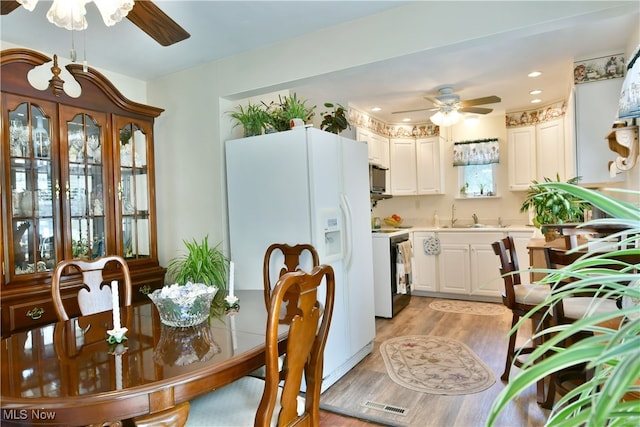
{"points": [[495, 66]]}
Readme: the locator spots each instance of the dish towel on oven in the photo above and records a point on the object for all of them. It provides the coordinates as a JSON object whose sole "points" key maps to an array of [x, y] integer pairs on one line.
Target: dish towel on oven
{"points": [[403, 267]]}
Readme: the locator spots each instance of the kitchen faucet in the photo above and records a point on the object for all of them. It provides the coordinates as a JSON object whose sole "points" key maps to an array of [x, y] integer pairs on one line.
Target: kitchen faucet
{"points": [[475, 218], [453, 215]]}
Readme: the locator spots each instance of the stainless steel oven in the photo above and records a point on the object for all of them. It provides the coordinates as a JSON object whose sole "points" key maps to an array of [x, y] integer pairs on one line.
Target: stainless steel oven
{"points": [[388, 302]]}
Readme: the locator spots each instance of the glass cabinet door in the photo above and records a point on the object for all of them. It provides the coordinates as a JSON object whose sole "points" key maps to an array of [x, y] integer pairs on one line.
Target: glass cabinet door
{"points": [[32, 204], [133, 190], [85, 183]]}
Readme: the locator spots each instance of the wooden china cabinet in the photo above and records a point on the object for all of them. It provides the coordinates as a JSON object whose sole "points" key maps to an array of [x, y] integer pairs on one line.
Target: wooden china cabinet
{"points": [[77, 182]]}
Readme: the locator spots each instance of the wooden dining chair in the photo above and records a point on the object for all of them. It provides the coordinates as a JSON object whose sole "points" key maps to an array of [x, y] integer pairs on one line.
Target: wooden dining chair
{"points": [[253, 401], [93, 296], [588, 302], [520, 299], [291, 261]]}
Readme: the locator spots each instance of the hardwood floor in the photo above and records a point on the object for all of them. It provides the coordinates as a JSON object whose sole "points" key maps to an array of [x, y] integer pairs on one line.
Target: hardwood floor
{"points": [[485, 335]]}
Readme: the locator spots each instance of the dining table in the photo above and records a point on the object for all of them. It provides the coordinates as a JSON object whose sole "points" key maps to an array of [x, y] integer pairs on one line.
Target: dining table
{"points": [[68, 374]]}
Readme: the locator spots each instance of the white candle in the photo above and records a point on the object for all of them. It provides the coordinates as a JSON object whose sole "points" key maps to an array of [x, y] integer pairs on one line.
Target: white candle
{"points": [[116, 305], [118, 372], [231, 275]]}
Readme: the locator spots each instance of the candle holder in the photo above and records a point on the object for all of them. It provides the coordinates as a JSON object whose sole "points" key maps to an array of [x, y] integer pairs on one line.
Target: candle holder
{"points": [[117, 335], [231, 302]]}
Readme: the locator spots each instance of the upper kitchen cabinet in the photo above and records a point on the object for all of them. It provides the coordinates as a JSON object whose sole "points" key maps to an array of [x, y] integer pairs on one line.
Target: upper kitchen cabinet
{"points": [[79, 180], [596, 110], [378, 146], [550, 149], [416, 166], [522, 157], [537, 146]]}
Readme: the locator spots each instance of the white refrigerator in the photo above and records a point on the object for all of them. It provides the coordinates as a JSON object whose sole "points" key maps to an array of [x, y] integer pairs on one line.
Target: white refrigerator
{"points": [[308, 186]]}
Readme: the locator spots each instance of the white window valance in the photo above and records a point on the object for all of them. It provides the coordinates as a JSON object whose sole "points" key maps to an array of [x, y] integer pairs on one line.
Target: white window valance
{"points": [[479, 152]]}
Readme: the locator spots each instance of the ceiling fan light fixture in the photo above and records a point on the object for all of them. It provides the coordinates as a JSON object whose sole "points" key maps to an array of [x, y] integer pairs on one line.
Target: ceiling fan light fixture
{"points": [[70, 14], [446, 118]]}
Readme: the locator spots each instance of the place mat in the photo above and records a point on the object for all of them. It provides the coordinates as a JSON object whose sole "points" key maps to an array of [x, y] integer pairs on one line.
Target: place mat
{"points": [[468, 307], [435, 365]]}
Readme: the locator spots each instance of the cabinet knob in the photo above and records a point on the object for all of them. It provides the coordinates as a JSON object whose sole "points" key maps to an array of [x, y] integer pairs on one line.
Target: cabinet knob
{"points": [[35, 313]]}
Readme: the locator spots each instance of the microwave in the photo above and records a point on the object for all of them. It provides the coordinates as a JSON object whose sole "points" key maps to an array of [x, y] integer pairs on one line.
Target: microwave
{"points": [[377, 179]]}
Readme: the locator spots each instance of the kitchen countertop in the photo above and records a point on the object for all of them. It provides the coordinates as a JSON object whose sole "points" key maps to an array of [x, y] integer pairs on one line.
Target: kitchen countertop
{"points": [[392, 231]]}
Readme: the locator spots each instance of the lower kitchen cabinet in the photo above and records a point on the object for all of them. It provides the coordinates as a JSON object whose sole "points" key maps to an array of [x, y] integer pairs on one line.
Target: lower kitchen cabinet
{"points": [[465, 264], [424, 268], [453, 263], [468, 265]]}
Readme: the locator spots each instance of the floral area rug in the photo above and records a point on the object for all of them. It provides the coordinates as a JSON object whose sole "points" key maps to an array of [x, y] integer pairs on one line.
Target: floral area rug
{"points": [[435, 365], [467, 307]]}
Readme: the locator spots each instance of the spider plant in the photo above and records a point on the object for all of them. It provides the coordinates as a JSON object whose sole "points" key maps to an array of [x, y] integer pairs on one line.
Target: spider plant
{"points": [[201, 264], [252, 118], [280, 114], [612, 353]]}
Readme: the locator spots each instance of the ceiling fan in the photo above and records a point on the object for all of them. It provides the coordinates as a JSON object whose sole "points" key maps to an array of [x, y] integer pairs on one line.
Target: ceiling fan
{"points": [[447, 102], [145, 15]]}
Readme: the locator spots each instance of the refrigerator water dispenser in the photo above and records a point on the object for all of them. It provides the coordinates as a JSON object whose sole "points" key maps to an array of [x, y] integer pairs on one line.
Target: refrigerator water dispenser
{"points": [[331, 234]]}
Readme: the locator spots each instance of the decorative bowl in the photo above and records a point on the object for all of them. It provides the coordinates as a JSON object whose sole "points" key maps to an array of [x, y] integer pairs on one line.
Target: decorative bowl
{"points": [[183, 306]]}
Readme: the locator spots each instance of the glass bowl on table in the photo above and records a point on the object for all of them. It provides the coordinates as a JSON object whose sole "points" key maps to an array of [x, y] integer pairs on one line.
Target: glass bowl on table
{"points": [[183, 306]]}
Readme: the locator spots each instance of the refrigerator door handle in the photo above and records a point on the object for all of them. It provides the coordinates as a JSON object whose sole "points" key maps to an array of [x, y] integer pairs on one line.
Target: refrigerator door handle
{"points": [[346, 209]]}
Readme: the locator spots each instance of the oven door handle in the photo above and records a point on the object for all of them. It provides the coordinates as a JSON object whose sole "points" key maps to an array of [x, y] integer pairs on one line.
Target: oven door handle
{"points": [[346, 229]]}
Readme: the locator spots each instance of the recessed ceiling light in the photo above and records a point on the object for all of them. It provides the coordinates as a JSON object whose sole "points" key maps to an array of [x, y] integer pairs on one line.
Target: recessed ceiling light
{"points": [[536, 101], [376, 109], [534, 74], [535, 92], [406, 119]]}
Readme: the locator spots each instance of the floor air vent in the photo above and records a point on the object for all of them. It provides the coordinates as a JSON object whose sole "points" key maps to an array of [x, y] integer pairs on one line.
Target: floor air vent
{"points": [[389, 409]]}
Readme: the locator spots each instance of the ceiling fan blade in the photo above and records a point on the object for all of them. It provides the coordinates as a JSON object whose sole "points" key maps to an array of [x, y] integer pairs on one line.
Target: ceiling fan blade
{"points": [[157, 24], [479, 101], [8, 6], [414, 111], [434, 101], [475, 110]]}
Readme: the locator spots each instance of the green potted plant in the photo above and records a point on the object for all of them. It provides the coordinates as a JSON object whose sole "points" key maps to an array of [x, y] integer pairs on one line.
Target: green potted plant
{"points": [[551, 206], [252, 118], [334, 121], [280, 114], [202, 265], [612, 353]]}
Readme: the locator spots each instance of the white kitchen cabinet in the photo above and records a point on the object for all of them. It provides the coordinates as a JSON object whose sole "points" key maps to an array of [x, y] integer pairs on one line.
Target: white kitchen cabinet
{"points": [[429, 166], [596, 109], [402, 166], [467, 264], [416, 166], [550, 149], [485, 265], [378, 146], [424, 267], [453, 264], [536, 152], [521, 157]]}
